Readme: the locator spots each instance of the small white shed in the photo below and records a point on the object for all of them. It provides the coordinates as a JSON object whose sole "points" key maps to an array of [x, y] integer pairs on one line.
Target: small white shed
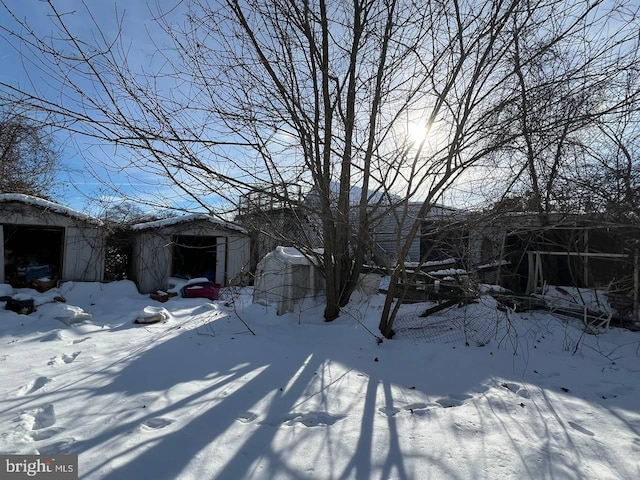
{"points": [[284, 277], [39, 238], [190, 246]]}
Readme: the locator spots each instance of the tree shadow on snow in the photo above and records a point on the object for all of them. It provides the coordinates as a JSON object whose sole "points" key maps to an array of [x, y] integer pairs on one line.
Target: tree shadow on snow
{"points": [[281, 402]]}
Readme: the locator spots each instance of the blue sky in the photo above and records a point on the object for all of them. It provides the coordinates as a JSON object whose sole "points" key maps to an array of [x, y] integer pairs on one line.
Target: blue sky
{"points": [[80, 155]]}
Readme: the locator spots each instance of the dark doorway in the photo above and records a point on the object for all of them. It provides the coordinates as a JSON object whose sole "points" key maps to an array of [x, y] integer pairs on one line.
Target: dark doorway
{"points": [[194, 256], [31, 253]]}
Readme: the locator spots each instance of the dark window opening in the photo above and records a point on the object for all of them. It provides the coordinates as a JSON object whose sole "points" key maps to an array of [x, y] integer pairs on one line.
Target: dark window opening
{"points": [[194, 256], [31, 253]]}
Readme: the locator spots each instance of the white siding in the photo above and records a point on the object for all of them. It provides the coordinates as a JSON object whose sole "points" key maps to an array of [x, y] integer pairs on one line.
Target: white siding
{"points": [[83, 258], [391, 231], [152, 261], [238, 256], [30, 215]]}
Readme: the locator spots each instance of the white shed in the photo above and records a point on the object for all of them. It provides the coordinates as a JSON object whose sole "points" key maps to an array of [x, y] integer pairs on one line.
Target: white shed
{"points": [[284, 277], [39, 238], [190, 246]]}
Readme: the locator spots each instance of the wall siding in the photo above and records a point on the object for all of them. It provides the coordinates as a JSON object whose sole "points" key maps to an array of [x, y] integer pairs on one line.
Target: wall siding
{"points": [[238, 257], [83, 255], [152, 261]]}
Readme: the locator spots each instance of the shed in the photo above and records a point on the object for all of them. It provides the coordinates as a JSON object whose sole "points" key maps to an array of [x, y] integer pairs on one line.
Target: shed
{"points": [[189, 246], [437, 239], [284, 277], [39, 238], [522, 251]]}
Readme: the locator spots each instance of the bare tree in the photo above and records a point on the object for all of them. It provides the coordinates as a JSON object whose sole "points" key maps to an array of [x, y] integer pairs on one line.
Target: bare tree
{"points": [[29, 162], [395, 98], [569, 81], [555, 72], [610, 181]]}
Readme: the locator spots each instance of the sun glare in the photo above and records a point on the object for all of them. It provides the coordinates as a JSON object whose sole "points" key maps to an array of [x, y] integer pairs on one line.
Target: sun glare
{"points": [[416, 132]]}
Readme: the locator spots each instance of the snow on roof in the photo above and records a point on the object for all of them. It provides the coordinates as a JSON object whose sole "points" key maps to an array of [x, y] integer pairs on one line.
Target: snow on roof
{"points": [[47, 205], [497, 263], [167, 222], [430, 263], [449, 271], [291, 255]]}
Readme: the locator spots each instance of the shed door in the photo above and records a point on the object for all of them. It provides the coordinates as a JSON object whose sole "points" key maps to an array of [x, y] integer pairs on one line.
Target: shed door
{"points": [[194, 256]]}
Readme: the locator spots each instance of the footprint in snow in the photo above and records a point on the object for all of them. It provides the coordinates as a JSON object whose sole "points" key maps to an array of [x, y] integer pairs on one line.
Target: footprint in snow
{"points": [[156, 423], [59, 447], [417, 408], [388, 411], [39, 418], [53, 336], [316, 419], [313, 419], [516, 388], [65, 358], [247, 417], [619, 391], [455, 400], [38, 422], [34, 386], [70, 358], [411, 409]]}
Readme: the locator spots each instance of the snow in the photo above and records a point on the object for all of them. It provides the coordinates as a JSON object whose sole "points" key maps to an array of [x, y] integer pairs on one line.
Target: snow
{"points": [[497, 263], [431, 263], [199, 396], [290, 256], [6, 290], [168, 222], [449, 271], [593, 299], [47, 205]]}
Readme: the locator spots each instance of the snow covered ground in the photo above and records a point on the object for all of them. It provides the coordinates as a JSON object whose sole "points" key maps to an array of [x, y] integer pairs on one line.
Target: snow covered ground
{"points": [[199, 396]]}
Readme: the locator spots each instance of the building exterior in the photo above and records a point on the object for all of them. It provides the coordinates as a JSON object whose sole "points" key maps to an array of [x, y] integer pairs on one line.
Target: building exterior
{"points": [[522, 251], [433, 241], [191, 246], [39, 239]]}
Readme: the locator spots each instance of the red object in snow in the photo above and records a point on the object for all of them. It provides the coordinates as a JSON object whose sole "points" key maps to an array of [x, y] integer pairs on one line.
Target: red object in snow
{"points": [[208, 290]]}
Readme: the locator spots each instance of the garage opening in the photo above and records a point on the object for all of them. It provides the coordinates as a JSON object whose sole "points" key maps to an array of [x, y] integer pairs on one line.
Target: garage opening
{"points": [[31, 253], [194, 256]]}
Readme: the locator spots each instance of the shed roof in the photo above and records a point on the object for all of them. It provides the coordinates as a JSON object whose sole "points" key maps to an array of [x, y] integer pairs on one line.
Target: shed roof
{"points": [[197, 217], [48, 206]]}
